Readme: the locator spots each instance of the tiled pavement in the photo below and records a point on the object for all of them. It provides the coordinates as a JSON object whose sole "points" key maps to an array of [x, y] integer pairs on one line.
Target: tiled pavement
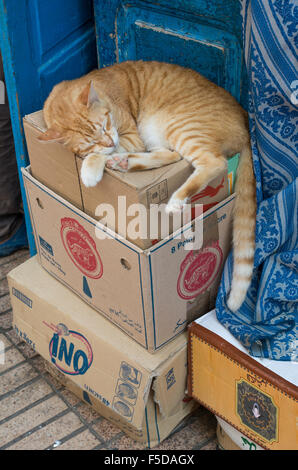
{"points": [[38, 413]]}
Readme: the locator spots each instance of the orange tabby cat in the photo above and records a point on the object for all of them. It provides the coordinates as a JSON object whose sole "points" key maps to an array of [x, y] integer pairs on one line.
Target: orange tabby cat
{"points": [[140, 115]]}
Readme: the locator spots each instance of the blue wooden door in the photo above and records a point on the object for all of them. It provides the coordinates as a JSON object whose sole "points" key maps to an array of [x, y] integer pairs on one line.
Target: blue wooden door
{"points": [[42, 42], [202, 34]]}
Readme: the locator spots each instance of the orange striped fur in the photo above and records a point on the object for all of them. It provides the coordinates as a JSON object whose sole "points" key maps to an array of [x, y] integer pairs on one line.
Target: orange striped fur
{"points": [[140, 115]]}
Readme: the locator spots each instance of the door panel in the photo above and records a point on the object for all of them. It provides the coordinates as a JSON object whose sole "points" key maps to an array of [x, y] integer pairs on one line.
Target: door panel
{"points": [[202, 34], [67, 21], [147, 35], [62, 39], [42, 43]]}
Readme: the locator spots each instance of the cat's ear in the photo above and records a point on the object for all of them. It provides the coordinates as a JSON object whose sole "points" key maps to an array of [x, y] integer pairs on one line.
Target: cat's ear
{"points": [[89, 95], [93, 95], [51, 135]]}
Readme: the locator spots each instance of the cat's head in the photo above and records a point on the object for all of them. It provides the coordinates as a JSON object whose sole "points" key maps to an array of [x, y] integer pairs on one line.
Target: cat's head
{"points": [[80, 120]]}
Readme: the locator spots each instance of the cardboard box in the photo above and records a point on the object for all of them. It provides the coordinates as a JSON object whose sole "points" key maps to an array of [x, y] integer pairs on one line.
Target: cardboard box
{"points": [[143, 394], [230, 438], [150, 294], [59, 169], [257, 397]]}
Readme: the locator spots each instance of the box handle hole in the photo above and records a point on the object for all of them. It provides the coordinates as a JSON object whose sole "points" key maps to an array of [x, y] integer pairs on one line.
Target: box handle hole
{"points": [[125, 264], [39, 203]]}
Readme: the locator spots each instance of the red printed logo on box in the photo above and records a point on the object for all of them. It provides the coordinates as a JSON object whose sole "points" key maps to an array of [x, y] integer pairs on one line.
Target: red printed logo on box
{"points": [[198, 271], [81, 248], [208, 191]]}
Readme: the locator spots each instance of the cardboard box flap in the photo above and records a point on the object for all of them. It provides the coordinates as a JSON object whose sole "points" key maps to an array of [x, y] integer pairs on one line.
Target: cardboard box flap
{"points": [[169, 384], [53, 163], [125, 368], [36, 120]]}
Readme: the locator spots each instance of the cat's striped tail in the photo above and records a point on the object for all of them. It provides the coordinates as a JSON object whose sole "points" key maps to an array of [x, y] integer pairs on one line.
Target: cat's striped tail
{"points": [[244, 221]]}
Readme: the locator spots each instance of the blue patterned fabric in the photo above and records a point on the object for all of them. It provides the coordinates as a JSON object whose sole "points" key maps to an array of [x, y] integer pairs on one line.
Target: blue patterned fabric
{"points": [[267, 322]]}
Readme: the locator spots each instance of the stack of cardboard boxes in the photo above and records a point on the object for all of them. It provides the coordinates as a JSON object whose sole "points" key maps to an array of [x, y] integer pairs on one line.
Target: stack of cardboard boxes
{"points": [[108, 307], [107, 301], [109, 296]]}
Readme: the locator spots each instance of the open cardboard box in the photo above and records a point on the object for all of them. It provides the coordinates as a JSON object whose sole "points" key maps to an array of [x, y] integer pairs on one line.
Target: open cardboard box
{"points": [[256, 397], [141, 393], [150, 294], [59, 170]]}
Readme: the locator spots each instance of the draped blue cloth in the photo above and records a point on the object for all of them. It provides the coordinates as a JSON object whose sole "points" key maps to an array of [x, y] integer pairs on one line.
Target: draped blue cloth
{"points": [[267, 322]]}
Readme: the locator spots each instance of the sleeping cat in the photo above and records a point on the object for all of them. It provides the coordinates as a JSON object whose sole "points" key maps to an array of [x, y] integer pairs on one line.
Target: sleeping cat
{"points": [[140, 115]]}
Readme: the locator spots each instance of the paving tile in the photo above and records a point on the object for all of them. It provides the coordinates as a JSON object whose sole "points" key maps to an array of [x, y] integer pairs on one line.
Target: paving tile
{"points": [[70, 398], [191, 435], [13, 337], [87, 413], [4, 342], [50, 434], [35, 416], [8, 263], [83, 441], [105, 429], [24, 397], [12, 357], [40, 363], [3, 287], [2, 355], [16, 377], [126, 443], [26, 350], [204, 426], [5, 303], [212, 445], [6, 321]]}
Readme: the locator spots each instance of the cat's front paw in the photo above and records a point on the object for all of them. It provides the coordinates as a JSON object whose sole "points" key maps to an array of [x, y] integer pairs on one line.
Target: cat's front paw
{"points": [[175, 205], [117, 161], [92, 171], [89, 178]]}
